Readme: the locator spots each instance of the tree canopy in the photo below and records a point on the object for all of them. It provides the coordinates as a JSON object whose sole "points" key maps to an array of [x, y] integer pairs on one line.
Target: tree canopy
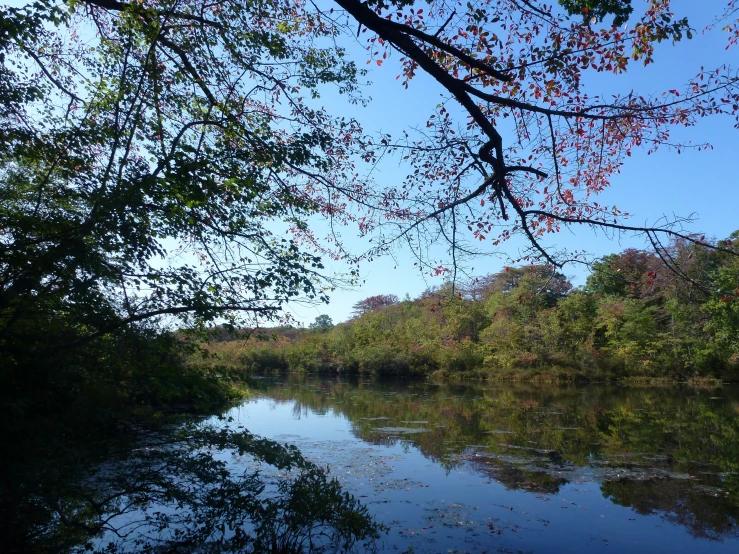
{"points": [[322, 321], [372, 303], [146, 148], [153, 154], [530, 149]]}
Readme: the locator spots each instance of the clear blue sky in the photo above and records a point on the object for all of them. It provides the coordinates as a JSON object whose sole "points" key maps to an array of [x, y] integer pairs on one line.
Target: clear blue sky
{"points": [[701, 183]]}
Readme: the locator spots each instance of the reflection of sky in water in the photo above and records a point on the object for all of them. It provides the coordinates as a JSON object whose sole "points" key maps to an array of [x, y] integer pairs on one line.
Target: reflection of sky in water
{"points": [[464, 509]]}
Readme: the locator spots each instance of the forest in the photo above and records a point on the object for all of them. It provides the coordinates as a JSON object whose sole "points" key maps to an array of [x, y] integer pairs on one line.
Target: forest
{"points": [[634, 321]]}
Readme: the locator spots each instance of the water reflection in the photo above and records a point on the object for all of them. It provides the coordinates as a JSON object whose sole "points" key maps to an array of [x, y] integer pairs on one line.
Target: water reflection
{"points": [[670, 453]]}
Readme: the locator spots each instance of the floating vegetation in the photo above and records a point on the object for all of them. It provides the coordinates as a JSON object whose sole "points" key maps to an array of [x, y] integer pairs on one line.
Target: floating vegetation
{"points": [[528, 448], [400, 430]]}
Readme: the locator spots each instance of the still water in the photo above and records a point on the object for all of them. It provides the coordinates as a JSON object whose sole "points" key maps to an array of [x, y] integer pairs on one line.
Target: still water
{"points": [[520, 468]]}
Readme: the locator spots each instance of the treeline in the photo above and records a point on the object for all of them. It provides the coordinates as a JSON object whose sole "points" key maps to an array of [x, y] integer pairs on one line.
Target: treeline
{"points": [[670, 314]]}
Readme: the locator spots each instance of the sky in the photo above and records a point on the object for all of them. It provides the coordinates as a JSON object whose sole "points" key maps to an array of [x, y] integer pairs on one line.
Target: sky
{"points": [[703, 185]]}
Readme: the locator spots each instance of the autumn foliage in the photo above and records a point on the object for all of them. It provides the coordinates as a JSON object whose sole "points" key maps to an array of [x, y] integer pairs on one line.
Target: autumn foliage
{"points": [[519, 146], [633, 319]]}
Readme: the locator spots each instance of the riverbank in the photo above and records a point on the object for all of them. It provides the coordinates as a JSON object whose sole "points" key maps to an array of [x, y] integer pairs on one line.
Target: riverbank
{"points": [[309, 353], [633, 321]]}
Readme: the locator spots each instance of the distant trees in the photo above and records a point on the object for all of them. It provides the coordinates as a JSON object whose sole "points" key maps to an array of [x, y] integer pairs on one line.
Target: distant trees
{"points": [[544, 279], [323, 321], [623, 274], [635, 318], [373, 303]]}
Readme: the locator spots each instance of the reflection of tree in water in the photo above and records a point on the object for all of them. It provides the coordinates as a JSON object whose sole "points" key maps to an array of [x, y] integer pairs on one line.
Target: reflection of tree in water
{"points": [[523, 436], [706, 514], [197, 489], [517, 478]]}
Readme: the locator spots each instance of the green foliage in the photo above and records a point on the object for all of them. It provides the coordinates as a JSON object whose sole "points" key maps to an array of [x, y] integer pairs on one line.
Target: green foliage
{"points": [[633, 337], [149, 153], [722, 311], [141, 170], [573, 326], [635, 319], [322, 322], [599, 9], [620, 274]]}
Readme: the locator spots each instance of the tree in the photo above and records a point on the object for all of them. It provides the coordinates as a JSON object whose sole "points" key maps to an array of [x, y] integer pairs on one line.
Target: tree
{"points": [[621, 274], [518, 146], [322, 322], [515, 307], [183, 128], [152, 156], [722, 311], [145, 150], [635, 340], [373, 303], [545, 281]]}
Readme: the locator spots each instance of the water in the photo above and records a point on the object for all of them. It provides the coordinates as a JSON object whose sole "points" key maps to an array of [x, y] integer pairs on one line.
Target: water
{"points": [[514, 468]]}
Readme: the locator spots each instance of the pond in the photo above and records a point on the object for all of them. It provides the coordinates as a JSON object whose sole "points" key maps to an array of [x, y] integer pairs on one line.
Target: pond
{"points": [[508, 468]]}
